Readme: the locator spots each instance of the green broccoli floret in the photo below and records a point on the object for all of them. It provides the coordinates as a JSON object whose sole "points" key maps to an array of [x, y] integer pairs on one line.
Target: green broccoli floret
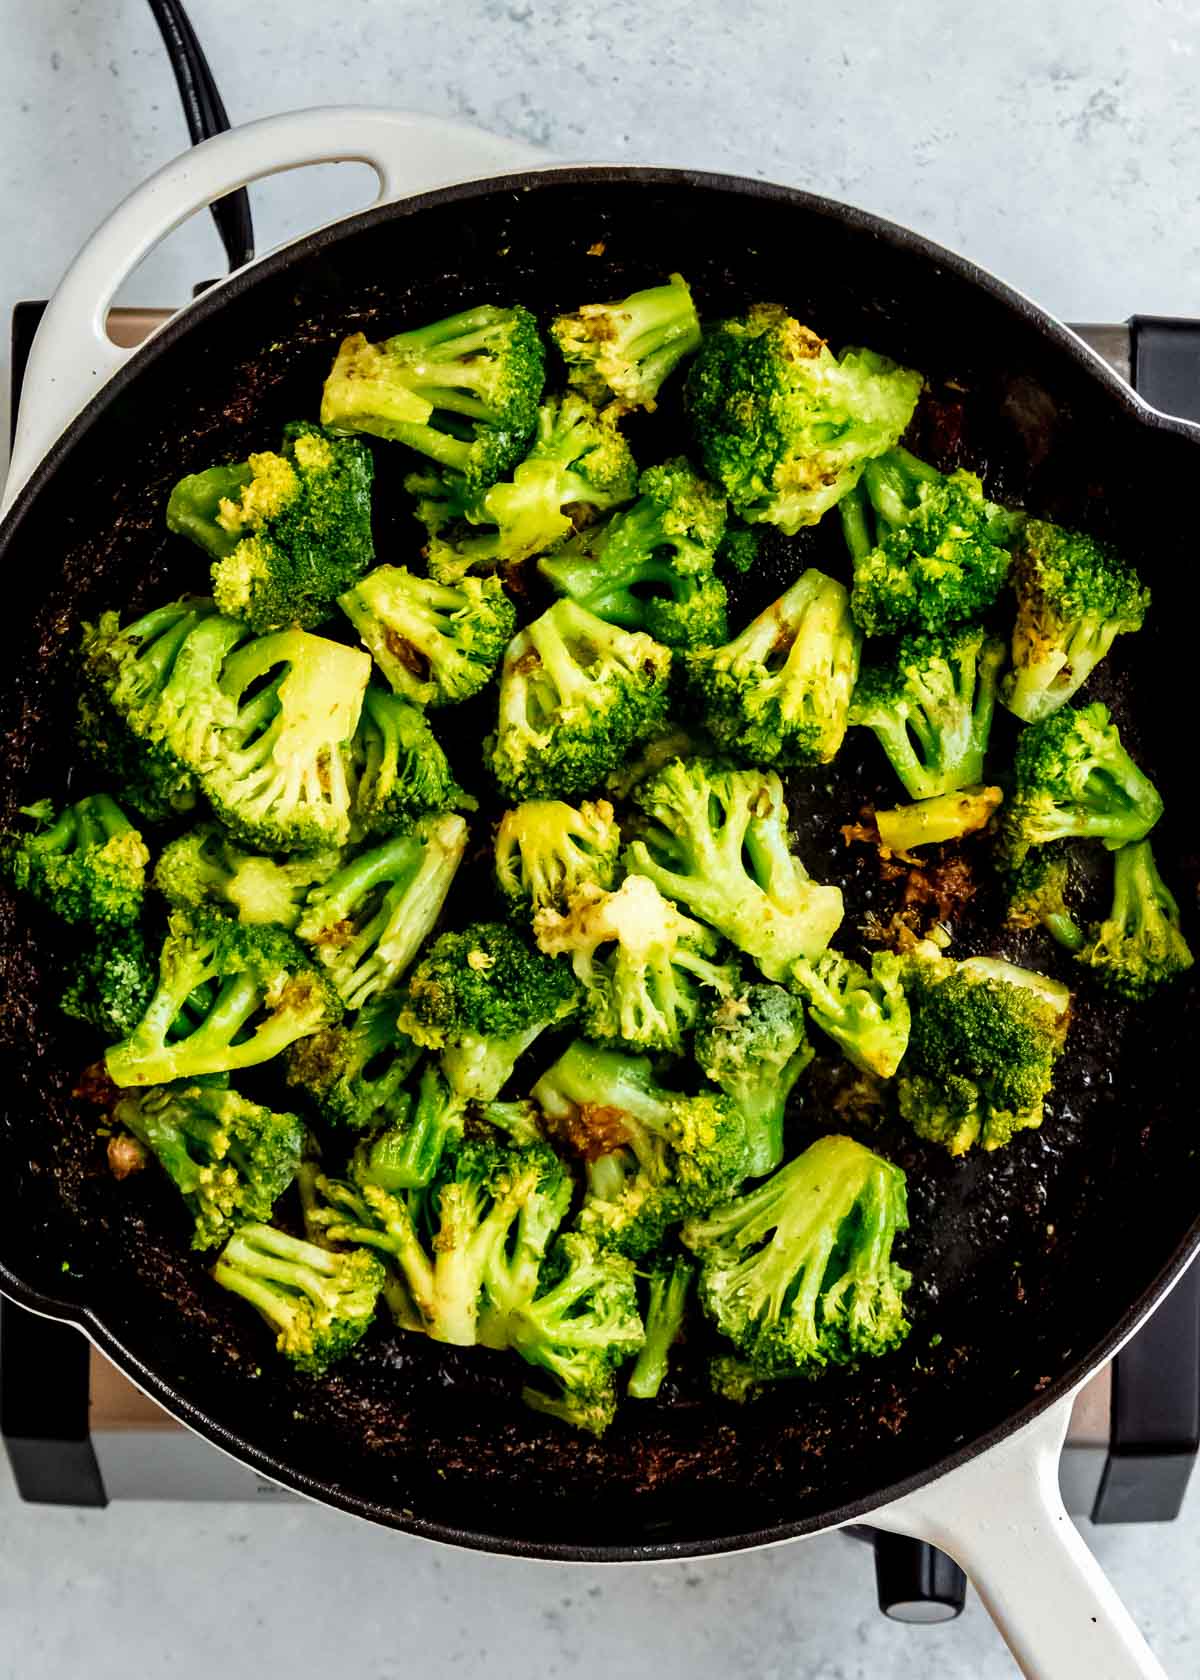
{"points": [[397, 767], [627, 348], [110, 980], [547, 850], [576, 694], [579, 465], [738, 549], [1037, 894], [717, 842], [641, 962], [418, 1129], [1075, 596], [752, 1044], [785, 425], [1073, 779], [87, 865], [258, 992], [928, 551], [354, 1072], [930, 706], [653, 1155], [205, 867], [866, 1015], [436, 643], [319, 1304], [798, 1273], [366, 923], [482, 996], [229, 1158], [1138, 946], [650, 567], [287, 533], [667, 1289], [520, 1122], [779, 692], [980, 1062], [463, 391]]}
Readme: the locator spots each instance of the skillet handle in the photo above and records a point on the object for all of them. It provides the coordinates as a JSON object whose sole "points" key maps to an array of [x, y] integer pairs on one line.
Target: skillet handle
{"points": [[73, 356], [1002, 1518]]}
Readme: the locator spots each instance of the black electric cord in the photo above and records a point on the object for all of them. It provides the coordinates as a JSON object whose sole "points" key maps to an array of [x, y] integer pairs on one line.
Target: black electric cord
{"points": [[206, 115]]}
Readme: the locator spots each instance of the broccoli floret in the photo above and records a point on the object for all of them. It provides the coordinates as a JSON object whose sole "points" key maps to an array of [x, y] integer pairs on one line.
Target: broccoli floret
{"points": [[866, 1015], [717, 842], [1037, 894], [752, 1044], [650, 567], [667, 1289], [930, 707], [653, 1155], [980, 1062], [1073, 779], [1075, 596], [779, 692], [258, 993], [463, 391], [87, 865], [576, 694], [110, 980], [641, 962], [785, 425], [398, 769], [580, 1328], [932, 822], [520, 1121], [366, 923], [1139, 945], [354, 1072], [482, 996], [205, 867], [547, 850], [738, 549], [627, 348], [230, 1159], [287, 533], [928, 551], [436, 643], [418, 1130], [798, 1273], [319, 1304]]}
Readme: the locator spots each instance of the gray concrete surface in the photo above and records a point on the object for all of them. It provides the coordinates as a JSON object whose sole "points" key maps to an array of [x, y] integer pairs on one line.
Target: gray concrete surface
{"points": [[1059, 145]]}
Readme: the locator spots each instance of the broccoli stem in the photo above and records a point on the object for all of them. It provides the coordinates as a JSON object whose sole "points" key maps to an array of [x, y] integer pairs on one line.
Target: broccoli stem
{"points": [[194, 507], [669, 1289]]}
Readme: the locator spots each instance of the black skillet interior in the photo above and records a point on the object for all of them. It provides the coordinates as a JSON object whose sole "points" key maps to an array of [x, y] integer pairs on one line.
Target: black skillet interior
{"points": [[1027, 1263]]}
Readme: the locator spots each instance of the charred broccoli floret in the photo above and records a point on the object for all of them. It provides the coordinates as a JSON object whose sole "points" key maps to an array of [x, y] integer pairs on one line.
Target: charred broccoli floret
{"points": [[667, 1290], [87, 864], [397, 768], [353, 1072], [752, 1044], [866, 1015], [547, 850], [205, 867], [626, 349], [436, 643], [1139, 945]]}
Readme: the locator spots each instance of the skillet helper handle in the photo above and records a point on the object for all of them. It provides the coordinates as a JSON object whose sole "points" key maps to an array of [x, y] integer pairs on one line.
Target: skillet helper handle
{"points": [[73, 356], [1002, 1518]]}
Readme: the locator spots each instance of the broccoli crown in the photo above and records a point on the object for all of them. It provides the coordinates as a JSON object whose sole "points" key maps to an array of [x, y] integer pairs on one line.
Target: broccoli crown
{"points": [[87, 865], [930, 706], [397, 767], [752, 1044], [575, 695], [985, 1037], [256, 993], [230, 1159], [798, 1273], [667, 1290], [407, 1152], [483, 982], [287, 532], [1075, 596], [779, 693], [1139, 945], [928, 551], [626, 349], [1073, 779], [641, 962], [1037, 894], [738, 548], [205, 867], [582, 1325], [366, 923], [866, 1015], [435, 643], [547, 850], [783, 424], [110, 980], [320, 1304], [650, 567], [354, 1072], [463, 391], [653, 1155], [717, 842]]}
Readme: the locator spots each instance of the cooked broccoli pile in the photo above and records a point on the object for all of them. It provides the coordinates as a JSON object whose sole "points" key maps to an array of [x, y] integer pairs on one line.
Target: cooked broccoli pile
{"points": [[549, 1019]]}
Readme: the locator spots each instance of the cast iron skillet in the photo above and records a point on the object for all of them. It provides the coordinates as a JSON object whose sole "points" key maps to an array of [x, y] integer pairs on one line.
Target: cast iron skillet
{"points": [[1030, 1265]]}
